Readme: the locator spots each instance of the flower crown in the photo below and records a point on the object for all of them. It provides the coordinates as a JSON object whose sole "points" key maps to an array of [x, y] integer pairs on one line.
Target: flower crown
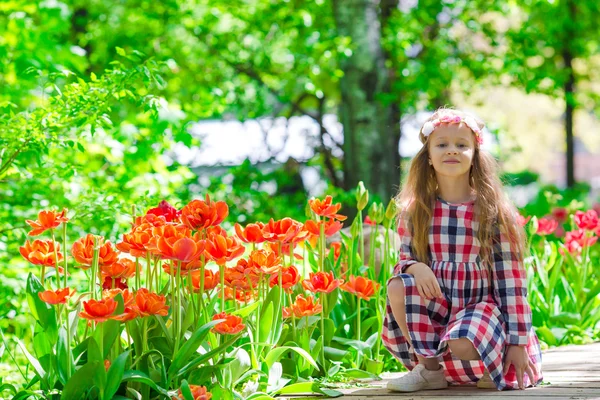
{"points": [[430, 126]]}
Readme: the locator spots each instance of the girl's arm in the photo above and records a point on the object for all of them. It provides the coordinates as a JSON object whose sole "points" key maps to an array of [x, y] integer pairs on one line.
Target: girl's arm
{"points": [[510, 287], [406, 257]]}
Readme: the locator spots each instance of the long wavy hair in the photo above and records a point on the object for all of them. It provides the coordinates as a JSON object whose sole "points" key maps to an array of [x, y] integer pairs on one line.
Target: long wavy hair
{"points": [[493, 209]]}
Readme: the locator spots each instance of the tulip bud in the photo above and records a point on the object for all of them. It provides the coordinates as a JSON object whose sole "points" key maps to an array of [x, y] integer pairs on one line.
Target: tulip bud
{"points": [[308, 211], [391, 210], [373, 212], [379, 213], [355, 228], [362, 196]]}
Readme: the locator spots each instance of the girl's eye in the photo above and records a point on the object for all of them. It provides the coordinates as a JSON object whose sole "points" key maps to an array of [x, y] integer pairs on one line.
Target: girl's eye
{"points": [[441, 145], [462, 145]]}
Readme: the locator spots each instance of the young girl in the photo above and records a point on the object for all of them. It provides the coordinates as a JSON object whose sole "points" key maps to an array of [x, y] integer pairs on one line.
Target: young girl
{"points": [[457, 309]]}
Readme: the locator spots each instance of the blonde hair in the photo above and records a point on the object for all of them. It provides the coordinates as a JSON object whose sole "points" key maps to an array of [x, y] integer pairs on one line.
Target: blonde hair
{"points": [[492, 208]]}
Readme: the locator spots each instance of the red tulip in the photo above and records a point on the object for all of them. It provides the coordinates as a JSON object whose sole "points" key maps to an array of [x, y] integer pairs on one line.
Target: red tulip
{"points": [[166, 210], [546, 226], [586, 220]]}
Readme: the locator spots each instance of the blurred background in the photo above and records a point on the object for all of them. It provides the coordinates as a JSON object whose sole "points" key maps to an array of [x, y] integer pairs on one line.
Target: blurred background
{"points": [[107, 105]]}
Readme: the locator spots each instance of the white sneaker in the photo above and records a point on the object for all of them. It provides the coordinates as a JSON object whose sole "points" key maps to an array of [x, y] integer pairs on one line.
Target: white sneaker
{"points": [[419, 378], [486, 381]]}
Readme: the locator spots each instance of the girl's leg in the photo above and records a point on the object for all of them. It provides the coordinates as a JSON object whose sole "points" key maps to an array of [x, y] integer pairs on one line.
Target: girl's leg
{"points": [[397, 302], [463, 348]]}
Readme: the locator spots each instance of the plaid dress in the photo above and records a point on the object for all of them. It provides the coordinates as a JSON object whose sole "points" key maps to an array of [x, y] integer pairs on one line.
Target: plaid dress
{"points": [[490, 317]]}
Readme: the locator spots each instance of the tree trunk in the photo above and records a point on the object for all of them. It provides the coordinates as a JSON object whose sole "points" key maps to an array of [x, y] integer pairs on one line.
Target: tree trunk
{"points": [[370, 131], [569, 88]]}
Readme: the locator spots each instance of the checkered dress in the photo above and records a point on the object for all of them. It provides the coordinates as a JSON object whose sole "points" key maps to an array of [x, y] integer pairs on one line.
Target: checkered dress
{"points": [[489, 318]]}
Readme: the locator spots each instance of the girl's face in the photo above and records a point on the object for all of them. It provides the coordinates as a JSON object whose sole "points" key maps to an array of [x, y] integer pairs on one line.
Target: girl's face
{"points": [[451, 149]]}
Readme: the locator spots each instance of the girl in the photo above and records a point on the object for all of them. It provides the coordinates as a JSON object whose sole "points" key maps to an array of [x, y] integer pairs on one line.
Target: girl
{"points": [[458, 295]]}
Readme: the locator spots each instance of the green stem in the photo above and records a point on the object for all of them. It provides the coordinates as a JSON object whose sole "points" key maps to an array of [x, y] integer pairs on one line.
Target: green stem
{"points": [[322, 246], [293, 319], [95, 267], [358, 331], [361, 242], [322, 334], [178, 305], [148, 272], [222, 278], [55, 259]]}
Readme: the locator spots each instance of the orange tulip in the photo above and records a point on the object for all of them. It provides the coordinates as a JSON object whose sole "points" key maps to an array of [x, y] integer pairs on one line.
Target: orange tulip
{"points": [[331, 227], [173, 243], [41, 252], [199, 214], [83, 251], [305, 307], [287, 312], [211, 279], [198, 393], [323, 282], [325, 208], [289, 278], [130, 311], [47, 220], [59, 296], [242, 276], [98, 310], [149, 220], [122, 268], [264, 261], [360, 286], [252, 233], [232, 324], [147, 303], [137, 242], [223, 248], [337, 250], [285, 231]]}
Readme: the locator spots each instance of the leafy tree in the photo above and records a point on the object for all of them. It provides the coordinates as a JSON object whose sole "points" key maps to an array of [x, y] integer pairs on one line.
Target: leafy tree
{"points": [[552, 51]]}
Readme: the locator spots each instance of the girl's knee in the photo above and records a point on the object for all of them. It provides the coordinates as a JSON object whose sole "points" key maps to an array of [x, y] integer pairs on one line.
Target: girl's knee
{"points": [[396, 290], [463, 348]]}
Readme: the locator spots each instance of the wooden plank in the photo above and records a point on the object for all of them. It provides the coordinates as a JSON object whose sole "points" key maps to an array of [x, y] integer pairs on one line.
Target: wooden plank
{"points": [[570, 372]]}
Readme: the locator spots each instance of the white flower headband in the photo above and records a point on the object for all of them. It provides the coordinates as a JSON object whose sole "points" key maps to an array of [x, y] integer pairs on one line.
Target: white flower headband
{"points": [[430, 126]]}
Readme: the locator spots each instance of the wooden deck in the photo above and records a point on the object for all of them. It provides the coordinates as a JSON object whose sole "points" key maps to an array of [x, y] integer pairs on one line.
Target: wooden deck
{"points": [[570, 372]]}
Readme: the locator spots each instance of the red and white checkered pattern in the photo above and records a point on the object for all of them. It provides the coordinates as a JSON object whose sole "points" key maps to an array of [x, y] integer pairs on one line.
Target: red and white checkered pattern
{"points": [[490, 319]]}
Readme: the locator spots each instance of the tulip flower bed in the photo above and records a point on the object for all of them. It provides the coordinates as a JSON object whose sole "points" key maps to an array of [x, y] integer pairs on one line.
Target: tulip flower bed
{"points": [[179, 308], [564, 275]]}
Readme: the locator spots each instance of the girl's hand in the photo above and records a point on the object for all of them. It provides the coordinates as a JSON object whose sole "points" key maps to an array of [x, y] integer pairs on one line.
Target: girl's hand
{"points": [[426, 282], [517, 356]]}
